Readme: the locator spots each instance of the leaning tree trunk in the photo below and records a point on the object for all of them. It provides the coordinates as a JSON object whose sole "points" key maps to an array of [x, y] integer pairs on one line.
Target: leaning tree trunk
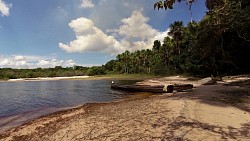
{"points": [[191, 14]]}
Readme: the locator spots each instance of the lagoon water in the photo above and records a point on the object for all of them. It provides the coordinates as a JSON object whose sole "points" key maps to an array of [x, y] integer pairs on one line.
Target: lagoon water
{"points": [[22, 101], [21, 97]]}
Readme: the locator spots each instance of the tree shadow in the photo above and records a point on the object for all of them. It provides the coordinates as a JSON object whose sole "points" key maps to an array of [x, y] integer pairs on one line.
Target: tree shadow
{"points": [[228, 133], [235, 94]]}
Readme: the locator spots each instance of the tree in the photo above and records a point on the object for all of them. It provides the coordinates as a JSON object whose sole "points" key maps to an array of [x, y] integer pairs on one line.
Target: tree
{"points": [[168, 4], [166, 49], [176, 31], [212, 4], [157, 45]]}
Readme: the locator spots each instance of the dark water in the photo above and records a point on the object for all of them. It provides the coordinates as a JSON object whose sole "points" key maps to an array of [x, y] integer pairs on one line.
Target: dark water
{"points": [[24, 97], [21, 102]]}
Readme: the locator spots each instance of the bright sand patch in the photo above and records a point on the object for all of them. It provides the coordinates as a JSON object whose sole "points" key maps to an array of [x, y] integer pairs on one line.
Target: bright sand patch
{"points": [[192, 115], [47, 78]]}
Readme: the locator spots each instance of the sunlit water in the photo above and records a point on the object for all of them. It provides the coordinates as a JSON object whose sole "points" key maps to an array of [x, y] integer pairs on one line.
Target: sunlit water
{"points": [[35, 98]]}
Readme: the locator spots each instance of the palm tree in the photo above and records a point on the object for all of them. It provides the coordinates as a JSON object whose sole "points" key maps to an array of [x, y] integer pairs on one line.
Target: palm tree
{"points": [[176, 31], [127, 56], [137, 61], [157, 45], [190, 3], [166, 49]]}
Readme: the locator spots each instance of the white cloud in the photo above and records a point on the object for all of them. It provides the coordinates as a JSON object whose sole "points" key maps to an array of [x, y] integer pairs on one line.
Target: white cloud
{"points": [[161, 35], [137, 34], [82, 26], [136, 27], [19, 58], [4, 62], [4, 8], [86, 4], [133, 34], [108, 13], [21, 61], [90, 38]]}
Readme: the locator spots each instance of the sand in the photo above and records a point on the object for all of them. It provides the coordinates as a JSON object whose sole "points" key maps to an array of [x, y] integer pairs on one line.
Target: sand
{"points": [[203, 113], [46, 78]]}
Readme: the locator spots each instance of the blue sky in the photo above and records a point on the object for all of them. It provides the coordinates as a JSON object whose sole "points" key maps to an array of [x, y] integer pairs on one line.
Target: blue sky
{"points": [[48, 33]]}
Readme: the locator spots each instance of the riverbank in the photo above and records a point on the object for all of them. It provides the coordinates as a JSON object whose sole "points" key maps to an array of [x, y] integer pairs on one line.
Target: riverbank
{"points": [[208, 112], [46, 78]]}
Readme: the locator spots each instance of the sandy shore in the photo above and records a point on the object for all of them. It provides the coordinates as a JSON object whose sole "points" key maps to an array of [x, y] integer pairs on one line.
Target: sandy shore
{"points": [[104, 77], [46, 78], [207, 112]]}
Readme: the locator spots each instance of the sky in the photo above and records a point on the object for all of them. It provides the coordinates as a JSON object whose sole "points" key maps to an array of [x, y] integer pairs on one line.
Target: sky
{"points": [[49, 33]]}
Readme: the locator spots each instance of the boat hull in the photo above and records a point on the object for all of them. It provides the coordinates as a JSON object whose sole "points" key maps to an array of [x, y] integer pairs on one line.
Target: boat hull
{"points": [[140, 88], [152, 88]]}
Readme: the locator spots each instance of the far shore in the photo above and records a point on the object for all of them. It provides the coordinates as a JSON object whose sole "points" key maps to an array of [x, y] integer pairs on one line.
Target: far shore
{"points": [[98, 77], [47, 78]]}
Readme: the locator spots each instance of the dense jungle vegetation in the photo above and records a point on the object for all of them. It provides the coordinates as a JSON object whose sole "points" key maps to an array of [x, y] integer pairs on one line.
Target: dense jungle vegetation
{"points": [[219, 44]]}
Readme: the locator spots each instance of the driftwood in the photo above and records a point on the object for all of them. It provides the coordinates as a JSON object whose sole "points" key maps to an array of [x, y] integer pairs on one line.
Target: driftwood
{"points": [[152, 88]]}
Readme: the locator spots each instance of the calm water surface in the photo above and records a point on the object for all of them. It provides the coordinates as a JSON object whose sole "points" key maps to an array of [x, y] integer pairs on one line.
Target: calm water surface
{"points": [[23, 97], [21, 102]]}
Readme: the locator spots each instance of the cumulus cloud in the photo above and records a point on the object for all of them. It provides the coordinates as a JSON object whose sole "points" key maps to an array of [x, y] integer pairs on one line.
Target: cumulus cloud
{"points": [[133, 34], [161, 35], [4, 8], [89, 38], [136, 27], [136, 33], [19, 58], [86, 4], [22, 61], [82, 26]]}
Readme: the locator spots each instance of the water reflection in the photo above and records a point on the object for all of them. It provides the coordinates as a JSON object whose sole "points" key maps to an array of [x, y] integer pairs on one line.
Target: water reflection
{"points": [[22, 101], [21, 97]]}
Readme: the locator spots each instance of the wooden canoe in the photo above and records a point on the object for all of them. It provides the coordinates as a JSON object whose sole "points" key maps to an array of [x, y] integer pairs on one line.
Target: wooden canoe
{"points": [[140, 88], [152, 88], [182, 87]]}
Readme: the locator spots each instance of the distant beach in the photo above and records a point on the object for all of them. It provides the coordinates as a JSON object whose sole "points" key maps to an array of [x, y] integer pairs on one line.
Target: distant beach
{"points": [[47, 78]]}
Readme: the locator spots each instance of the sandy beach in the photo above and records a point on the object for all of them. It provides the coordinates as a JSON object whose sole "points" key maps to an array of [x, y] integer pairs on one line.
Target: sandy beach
{"points": [[46, 78], [207, 112]]}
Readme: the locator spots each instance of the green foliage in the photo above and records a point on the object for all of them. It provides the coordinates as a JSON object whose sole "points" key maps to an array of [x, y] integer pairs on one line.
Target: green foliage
{"points": [[218, 45], [168, 4], [58, 71], [96, 70]]}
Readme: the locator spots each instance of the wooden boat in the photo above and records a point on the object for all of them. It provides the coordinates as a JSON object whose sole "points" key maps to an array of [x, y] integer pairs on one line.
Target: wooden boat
{"points": [[140, 88], [182, 87], [152, 88]]}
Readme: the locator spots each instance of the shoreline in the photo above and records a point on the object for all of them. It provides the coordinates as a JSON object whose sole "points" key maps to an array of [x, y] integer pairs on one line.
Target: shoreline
{"points": [[182, 115], [101, 77], [13, 121], [46, 78]]}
